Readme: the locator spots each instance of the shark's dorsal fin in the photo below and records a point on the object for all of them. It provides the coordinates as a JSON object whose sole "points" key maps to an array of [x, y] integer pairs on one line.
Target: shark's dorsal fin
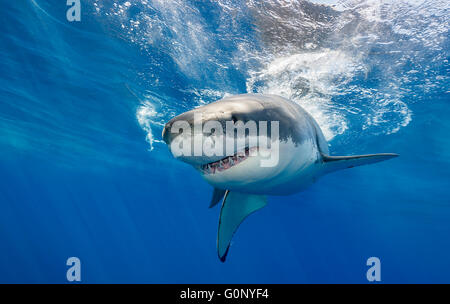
{"points": [[235, 208], [333, 163], [216, 197]]}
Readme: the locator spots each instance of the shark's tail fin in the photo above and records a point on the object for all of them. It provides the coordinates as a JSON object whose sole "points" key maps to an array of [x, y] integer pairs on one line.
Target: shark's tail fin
{"points": [[333, 163]]}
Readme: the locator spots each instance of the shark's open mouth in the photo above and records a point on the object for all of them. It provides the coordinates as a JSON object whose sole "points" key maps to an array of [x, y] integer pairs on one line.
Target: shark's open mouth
{"points": [[227, 162]]}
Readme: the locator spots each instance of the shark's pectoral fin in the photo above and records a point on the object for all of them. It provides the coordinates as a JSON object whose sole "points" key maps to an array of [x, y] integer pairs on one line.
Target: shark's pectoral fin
{"points": [[235, 208], [333, 163], [216, 197]]}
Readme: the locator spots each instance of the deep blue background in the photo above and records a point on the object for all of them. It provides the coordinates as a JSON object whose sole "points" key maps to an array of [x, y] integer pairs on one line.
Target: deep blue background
{"points": [[77, 177]]}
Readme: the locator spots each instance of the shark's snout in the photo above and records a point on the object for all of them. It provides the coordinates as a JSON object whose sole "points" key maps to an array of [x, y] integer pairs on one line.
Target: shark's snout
{"points": [[194, 138], [182, 120], [166, 133]]}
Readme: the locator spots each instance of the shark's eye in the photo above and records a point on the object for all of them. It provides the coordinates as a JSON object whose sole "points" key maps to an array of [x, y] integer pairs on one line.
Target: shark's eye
{"points": [[233, 118]]}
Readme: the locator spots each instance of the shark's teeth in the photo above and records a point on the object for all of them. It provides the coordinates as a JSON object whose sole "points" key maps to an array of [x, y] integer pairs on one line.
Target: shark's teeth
{"points": [[227, 162]]}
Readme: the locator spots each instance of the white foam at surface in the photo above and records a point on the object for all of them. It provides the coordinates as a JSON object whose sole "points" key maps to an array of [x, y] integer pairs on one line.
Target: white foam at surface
{"points": [[310, 79], [313, 75]]}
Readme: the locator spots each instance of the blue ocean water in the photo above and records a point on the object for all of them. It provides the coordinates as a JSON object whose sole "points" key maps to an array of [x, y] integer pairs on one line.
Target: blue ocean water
{"points": [[83, 171]]}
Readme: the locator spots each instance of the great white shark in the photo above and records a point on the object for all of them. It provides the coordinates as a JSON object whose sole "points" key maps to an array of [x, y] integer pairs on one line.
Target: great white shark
{"points": [[238, 178]]}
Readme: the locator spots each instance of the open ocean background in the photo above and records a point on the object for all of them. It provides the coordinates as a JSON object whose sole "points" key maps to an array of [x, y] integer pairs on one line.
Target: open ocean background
{"points": [[83, 171]]}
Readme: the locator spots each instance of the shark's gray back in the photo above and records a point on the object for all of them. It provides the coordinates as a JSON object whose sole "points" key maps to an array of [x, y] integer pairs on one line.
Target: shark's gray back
{"points": [[294, 122]]}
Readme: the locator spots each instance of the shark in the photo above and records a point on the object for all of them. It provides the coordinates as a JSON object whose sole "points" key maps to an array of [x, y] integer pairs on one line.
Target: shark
{"points": [[275, 147]]}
